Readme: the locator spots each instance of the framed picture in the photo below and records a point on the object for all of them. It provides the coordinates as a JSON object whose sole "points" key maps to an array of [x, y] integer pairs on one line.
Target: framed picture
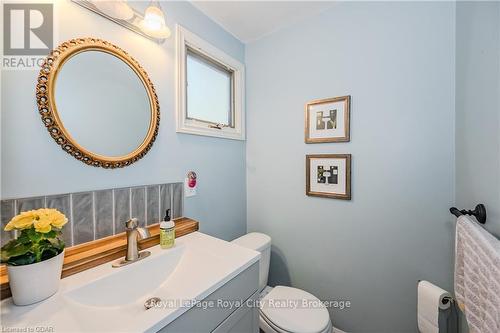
{"points": [[327, 120], [329, 176]]}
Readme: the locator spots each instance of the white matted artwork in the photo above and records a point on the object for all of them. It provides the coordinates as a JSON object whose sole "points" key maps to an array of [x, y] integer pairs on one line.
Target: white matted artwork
{"points": [[329, 175], [328, 120]]}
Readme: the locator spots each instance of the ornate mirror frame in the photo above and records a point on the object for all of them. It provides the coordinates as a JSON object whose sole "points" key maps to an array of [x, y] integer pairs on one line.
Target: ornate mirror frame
{"points": [[50, 117]]}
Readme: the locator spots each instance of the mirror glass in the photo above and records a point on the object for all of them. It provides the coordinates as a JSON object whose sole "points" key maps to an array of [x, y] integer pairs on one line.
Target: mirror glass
{"points": [[102, 103]]}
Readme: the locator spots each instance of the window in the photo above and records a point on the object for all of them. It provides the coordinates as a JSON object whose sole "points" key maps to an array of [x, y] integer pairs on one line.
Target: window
{"points": [[210, 89]]}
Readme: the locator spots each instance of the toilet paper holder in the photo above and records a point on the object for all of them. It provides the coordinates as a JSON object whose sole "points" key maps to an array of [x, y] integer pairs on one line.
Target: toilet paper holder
{"points": [[447, 317], [445, 300]]}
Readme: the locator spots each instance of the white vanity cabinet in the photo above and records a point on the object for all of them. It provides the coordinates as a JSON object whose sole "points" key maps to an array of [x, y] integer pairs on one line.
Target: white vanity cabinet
{"points": [[231, 308]]}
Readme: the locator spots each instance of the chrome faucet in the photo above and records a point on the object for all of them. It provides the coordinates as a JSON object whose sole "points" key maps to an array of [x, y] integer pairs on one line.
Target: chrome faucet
{"points": [[133, 233]]}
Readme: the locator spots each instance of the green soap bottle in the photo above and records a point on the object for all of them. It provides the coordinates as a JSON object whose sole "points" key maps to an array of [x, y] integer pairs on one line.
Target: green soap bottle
{"points": [[167, 231]]}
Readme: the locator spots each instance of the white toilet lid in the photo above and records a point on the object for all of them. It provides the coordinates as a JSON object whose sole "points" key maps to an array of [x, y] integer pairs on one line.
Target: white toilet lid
{"points": [[294, 310]]}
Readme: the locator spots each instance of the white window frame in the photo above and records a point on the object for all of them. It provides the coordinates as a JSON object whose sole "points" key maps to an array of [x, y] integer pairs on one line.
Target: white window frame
{"points": [[184, 39]]}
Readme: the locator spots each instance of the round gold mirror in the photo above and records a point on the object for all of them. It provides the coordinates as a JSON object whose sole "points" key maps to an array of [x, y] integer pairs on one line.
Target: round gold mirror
{"points": [[98, 103]]}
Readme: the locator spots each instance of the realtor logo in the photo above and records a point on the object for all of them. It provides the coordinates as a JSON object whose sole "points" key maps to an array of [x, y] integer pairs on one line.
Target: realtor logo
{"points": [[28, 34], [28, 28]]}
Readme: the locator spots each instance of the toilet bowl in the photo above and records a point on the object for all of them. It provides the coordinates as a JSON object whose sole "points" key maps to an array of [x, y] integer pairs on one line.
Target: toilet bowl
{"points": [[284, 309]]}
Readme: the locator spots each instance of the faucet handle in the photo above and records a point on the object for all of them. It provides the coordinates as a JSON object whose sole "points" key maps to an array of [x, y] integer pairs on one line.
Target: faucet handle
{"points": [[132, 223]]}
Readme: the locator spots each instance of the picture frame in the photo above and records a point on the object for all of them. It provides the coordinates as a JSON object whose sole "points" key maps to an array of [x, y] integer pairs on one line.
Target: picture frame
{"points": [[328, 176], [328, 120]]}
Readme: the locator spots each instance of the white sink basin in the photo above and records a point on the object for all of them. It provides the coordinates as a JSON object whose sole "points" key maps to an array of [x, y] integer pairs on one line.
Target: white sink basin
{"points": [[131, 283], [106, 299]]}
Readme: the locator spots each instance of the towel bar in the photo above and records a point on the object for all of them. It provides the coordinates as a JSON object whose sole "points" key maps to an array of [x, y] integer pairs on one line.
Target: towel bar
{"points": [[479, 213]]}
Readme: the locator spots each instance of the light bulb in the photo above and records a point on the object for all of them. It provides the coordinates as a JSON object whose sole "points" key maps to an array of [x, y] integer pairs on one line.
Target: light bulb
{"points": [[154, 22], [153, 18]]}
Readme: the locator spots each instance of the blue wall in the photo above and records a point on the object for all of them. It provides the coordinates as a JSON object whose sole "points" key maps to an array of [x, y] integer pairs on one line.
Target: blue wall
{"points": [[478, 108], [396, 60], [32, 164]]}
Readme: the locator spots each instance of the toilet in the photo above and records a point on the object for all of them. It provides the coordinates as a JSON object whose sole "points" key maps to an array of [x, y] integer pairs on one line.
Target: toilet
{"points": [[284, 309]]}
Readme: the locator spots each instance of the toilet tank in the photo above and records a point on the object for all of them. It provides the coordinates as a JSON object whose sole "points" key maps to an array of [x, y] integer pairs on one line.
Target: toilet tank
{"points": [[261, 243]]}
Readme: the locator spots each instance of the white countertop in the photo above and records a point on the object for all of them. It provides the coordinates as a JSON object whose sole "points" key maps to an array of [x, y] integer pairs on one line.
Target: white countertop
{"points": [[197, 266]]}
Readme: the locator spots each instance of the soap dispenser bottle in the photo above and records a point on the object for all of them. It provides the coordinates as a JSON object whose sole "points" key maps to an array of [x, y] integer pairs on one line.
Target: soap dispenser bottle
{"points": [[167, 231]]}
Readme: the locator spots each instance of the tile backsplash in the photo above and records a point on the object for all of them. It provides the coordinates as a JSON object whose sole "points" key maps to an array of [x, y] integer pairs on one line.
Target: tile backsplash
{"points": [[97, 214]]}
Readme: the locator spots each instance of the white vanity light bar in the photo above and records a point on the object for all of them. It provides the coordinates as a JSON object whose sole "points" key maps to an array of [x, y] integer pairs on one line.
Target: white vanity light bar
{"points": [[132, 24]]}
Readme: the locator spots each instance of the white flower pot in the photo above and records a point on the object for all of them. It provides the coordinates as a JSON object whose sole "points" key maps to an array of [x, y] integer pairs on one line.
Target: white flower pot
{"points": [[34, 283]]}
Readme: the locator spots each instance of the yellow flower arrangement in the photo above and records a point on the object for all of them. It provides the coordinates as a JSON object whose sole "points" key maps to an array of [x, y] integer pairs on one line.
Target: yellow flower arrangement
{"points": [[39, 237], [42, 219]]}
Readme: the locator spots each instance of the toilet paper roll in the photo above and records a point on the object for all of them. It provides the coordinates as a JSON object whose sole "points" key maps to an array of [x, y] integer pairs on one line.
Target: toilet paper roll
{"points": [[431, 298]]}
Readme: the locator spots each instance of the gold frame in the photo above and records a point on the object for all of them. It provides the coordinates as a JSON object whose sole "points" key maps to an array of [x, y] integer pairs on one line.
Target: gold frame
{"points": [[347, 195], [347, 115], [50, 117]]}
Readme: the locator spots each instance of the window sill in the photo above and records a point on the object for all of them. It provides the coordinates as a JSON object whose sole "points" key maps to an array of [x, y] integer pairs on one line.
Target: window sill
{"points": [[224, 133]]}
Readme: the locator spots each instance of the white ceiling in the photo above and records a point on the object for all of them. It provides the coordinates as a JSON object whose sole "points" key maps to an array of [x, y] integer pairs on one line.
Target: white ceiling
{"points": [[251, 20]]}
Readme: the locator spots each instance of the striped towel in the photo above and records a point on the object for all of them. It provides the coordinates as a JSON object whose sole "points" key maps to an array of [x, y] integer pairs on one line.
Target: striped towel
{"points": [[477, 276]]}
